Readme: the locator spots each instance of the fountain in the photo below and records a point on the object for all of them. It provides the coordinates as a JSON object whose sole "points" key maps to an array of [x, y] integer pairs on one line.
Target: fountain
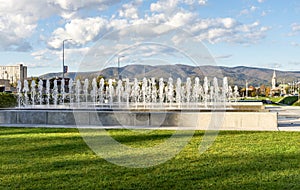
{"points": [[33, 92], [40, 92], [48, 92], [71, 99], [19, 93], [55, 93], [86, 91], [178, 91], [128, 94], [25, 92], [62, 91], [113, 99], [77, 92], [94, 91]]}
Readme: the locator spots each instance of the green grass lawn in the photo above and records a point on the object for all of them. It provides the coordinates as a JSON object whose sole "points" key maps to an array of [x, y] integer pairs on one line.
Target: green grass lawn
{"points": [[42, 158], [273, 99]]}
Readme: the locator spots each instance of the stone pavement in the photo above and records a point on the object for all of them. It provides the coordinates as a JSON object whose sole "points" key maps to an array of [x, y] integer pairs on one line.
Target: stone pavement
{"points": [[288, 117]]}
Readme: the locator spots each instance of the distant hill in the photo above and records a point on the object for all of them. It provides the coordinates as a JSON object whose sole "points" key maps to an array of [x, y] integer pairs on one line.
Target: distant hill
{"points": [[236, 75]]}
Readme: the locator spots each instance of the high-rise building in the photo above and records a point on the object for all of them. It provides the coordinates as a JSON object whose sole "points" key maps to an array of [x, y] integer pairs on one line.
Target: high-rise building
{"points": [[13, 73]]}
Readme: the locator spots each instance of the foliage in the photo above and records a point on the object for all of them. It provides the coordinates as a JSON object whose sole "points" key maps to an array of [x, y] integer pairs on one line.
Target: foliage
{"points": [[268, 91], [7, 100], [262, 98], [33, 158], [297, 103], [288, 100], [276, 99]]}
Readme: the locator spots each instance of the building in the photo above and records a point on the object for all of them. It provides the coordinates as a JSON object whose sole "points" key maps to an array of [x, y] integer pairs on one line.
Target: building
{"points": [[13, 73], [275, 89], [274, 81], [4, 85]]}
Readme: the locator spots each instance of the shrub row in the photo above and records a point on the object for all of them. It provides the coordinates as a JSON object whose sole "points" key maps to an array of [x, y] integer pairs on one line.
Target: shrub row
{"points": [[7, 100]]}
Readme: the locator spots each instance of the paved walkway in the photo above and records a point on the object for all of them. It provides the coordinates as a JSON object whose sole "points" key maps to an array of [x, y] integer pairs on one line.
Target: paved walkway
{"points": [[288, 117]]}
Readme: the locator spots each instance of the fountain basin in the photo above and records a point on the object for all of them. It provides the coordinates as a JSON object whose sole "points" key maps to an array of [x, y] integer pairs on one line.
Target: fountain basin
{"points": [[253, 117]]}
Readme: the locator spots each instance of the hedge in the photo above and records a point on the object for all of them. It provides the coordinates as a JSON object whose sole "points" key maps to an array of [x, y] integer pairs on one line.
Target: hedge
{"points": [[7, 100]]}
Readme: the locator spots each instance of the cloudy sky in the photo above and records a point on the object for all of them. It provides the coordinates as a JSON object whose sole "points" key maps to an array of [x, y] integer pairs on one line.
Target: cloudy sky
{"points": [[260, 33]]}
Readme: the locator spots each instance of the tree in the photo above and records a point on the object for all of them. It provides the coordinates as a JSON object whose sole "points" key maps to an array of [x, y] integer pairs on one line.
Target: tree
{"points": [[262, 90], [243, 91], [268, 91], [253, 93]]}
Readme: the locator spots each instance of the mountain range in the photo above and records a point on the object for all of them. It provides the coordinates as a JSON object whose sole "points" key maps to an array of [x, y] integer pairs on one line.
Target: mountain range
{"points": [[236, 75]]}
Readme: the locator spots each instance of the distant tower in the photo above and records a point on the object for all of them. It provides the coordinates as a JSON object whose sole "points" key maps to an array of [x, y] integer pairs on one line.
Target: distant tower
{"points": [[274, 80]]}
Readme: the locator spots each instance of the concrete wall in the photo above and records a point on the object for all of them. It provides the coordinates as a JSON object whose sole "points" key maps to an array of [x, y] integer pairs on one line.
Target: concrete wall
{"points": [[258, 121]]}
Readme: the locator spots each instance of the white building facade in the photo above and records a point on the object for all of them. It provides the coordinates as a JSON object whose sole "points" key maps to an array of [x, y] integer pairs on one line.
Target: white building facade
{"points": [[13, 73]]}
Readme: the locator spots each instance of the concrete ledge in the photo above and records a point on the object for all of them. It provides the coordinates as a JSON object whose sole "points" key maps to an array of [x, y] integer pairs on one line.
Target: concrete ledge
{"points": [[31, 117], [245, 121], [258, 121]]}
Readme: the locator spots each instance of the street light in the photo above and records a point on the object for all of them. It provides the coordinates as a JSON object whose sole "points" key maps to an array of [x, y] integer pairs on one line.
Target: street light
{"points": [[63, 58], [119, 66]]}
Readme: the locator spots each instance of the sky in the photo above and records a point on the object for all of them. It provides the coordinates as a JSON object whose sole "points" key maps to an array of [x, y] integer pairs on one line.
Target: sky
{"points": [[256, 33]]}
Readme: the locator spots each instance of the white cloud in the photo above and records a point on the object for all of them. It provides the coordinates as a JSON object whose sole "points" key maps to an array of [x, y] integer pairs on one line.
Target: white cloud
{"points": [[118, 24], [19, 19], [253, 8], [228, 22], [42, 55], [180, 19], [71, 5], [189, 2], [223, 56], [164, 6], [249, 10], [195, 2], [85, 30], [295, 29], [129, 10], [228, 30], [81, 31], [260, 1], [244, 12], [296, 44], [202, 2], [218, 34]]}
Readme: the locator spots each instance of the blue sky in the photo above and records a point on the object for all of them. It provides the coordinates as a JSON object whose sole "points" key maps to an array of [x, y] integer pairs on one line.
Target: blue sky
{"points": [[259, 33]]}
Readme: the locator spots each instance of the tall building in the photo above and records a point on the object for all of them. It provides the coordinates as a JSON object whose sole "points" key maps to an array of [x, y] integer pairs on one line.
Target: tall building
{"points": [[13, 73]]}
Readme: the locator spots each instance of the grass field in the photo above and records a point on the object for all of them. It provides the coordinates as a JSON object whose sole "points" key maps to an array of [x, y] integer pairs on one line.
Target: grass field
{"points": [[34, 158], [273, 99]]}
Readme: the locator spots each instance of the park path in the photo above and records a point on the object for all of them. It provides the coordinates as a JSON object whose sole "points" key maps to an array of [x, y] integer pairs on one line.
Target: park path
{"points": [[288, 117]]}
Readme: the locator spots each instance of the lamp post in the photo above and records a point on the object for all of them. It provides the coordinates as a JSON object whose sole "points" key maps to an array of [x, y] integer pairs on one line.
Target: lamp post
{"points": [[119, 66], [246, 89], [63, 58]]}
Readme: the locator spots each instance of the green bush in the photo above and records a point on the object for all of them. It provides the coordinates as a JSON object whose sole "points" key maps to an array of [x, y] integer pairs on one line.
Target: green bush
{"points": [[7, 100], [289, 100], [297, 103]]}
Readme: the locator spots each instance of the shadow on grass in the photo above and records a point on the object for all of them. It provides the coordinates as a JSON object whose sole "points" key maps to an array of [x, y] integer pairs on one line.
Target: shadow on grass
{"points": [[62, 162], [278, 171], [25, 130]]}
